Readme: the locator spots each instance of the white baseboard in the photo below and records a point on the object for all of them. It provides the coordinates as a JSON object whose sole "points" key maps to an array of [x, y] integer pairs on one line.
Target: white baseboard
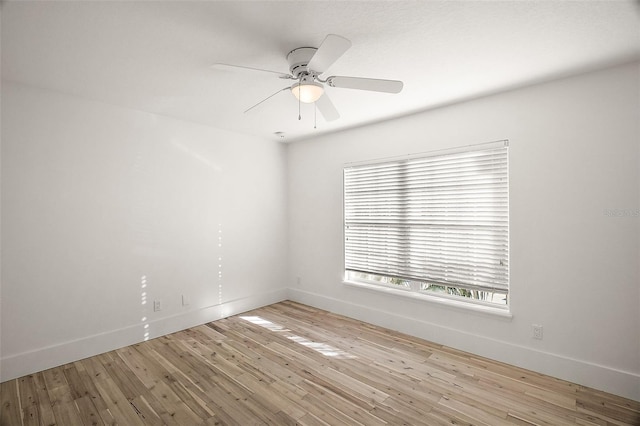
{"points": [[623, 383], [52, 356]]}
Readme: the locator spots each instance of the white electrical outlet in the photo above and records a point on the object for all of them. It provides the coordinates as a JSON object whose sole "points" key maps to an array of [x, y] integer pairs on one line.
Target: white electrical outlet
{"points": [[537, 331], [157, 305], [185, 300]]}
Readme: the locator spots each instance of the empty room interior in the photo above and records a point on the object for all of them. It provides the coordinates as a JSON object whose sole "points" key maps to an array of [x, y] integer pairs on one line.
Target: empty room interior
{"points": [[288, 212]]}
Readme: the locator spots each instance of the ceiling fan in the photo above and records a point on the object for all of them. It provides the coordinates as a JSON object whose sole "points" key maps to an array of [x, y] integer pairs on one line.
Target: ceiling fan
{"points": [[308, 64]]}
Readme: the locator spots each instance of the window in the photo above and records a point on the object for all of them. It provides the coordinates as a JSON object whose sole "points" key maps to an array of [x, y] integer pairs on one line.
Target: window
{"points": [[435, 224]]}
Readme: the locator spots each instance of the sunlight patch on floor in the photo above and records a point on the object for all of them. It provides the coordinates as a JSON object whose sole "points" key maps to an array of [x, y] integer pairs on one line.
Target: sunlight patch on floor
{"points": [[323, 348]]}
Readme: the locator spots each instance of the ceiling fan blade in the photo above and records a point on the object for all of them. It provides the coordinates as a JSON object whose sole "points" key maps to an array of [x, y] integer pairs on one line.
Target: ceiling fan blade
{"points": [[267, 98], [373, 84], [329, 51], [229, 67], [326, 108]]}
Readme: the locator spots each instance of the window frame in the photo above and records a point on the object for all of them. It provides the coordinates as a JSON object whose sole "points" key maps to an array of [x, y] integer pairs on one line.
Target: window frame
{"points": [[416, 288]]}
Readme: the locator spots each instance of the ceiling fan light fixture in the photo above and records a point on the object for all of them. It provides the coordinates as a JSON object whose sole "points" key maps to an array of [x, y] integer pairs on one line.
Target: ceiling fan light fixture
{"points": [[307, 92]]}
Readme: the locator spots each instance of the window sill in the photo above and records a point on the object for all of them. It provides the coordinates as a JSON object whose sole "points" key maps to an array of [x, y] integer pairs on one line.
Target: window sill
{"points": [[472, 307]]}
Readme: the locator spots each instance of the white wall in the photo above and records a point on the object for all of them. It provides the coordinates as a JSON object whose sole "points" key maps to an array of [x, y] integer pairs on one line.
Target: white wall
{"points": [[574, 151], [96, 197]]}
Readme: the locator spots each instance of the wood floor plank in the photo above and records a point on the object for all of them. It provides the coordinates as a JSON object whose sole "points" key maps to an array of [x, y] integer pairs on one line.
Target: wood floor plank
{"points": [[88, 412], [66, 413], [119, 407], [278, 401], [28, 401], [291, 364], [311, 420], [410, 412], [31, 415], [54, 378], [45, 412]]}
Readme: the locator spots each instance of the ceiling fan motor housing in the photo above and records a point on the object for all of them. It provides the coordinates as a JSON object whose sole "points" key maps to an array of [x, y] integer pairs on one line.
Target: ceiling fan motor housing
{"points": [[299, 59]]}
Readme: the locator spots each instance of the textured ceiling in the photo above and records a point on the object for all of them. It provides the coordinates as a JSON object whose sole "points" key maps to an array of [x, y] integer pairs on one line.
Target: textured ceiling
{"points": [[157, 56]]}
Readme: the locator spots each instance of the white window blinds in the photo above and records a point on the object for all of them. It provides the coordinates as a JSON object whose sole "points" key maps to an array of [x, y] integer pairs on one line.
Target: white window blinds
{"points": [[439, 219]]}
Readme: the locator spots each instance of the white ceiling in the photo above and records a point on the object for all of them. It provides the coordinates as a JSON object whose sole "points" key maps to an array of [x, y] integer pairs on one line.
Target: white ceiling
{"points": [[156, 56]]}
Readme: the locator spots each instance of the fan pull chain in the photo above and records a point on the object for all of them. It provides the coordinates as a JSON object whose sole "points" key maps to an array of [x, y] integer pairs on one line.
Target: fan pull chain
{"points": [[299, 102], [315, 115]]}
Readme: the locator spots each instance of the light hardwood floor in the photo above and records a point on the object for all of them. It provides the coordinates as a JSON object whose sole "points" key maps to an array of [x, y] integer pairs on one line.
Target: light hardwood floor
{"points": [[291, 364]]}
